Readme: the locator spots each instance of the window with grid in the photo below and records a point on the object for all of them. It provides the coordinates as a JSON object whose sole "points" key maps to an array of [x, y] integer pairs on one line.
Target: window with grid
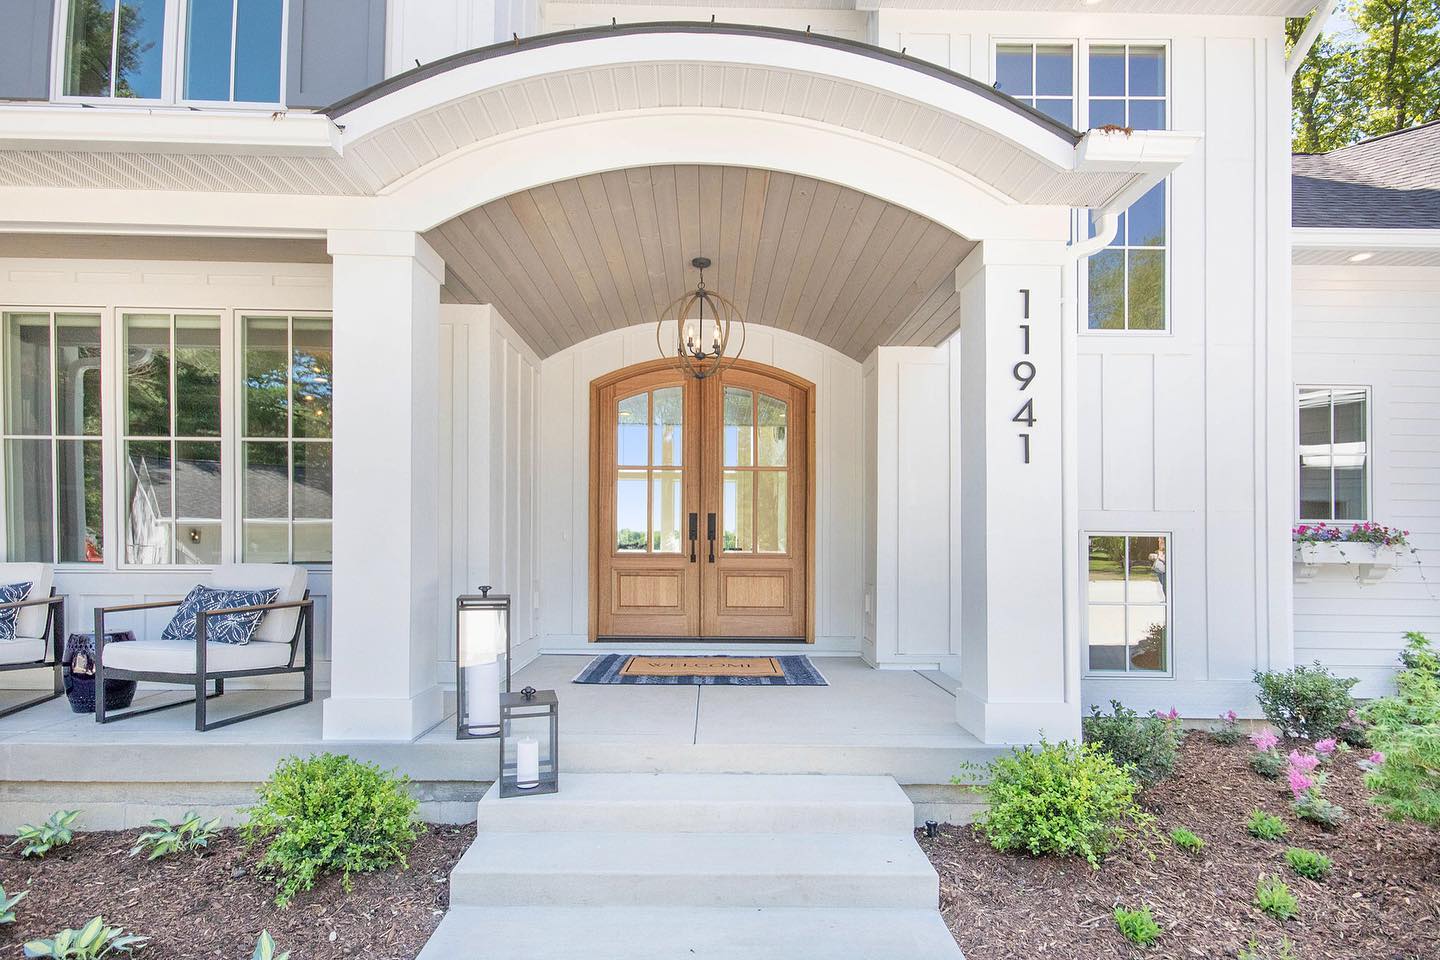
{"points": [[285, 444], [1334, 453], [1041, 75], [756, 477], [1128, 604], [52, 437], [649, 456], [1127, 280]]}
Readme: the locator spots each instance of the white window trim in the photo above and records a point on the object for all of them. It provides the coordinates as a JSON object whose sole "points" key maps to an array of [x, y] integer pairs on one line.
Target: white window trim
{"points": [[1075, 45], [1369, 451], [1127, 674]]}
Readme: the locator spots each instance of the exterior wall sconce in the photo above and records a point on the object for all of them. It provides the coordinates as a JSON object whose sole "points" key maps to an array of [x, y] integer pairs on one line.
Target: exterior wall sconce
{"points": [[482, 641]]}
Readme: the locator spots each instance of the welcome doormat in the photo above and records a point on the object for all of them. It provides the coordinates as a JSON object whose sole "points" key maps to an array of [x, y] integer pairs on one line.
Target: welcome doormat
{"points": [[795, 671]]}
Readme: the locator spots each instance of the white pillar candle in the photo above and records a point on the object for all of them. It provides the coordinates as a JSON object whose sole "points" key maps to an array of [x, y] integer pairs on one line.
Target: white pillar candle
{"points": [[482, 696], [527, 763]]}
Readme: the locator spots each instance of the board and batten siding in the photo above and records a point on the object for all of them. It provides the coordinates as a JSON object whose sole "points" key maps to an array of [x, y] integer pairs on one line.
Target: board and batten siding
{"points": [[1377, 327]]}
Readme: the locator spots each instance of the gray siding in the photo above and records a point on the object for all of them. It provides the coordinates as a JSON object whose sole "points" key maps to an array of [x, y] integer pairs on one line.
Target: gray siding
{"points": [[25, 49], [336, 48]]}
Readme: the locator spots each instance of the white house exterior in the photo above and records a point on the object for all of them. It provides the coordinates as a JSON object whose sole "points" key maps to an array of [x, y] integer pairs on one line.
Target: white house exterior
{"points": [[1059, 468]]}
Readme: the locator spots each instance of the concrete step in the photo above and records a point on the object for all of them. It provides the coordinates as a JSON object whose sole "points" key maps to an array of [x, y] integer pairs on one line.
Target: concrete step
{"points": [[705, 803], [694, 870], [657, 933]]}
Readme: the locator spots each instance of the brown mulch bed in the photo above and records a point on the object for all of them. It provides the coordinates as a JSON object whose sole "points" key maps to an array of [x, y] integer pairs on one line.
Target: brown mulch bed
{"points": [[216, 905], [1380, 902]]}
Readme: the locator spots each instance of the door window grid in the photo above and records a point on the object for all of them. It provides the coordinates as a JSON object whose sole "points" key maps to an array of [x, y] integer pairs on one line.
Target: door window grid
{"points": [[1128, 604], [1333, 461], [755, 478], [649, 487], [1041, 75]]}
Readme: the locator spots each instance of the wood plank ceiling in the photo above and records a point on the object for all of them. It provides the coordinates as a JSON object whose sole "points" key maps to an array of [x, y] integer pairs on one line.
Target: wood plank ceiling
{"points": [[574, 259]]}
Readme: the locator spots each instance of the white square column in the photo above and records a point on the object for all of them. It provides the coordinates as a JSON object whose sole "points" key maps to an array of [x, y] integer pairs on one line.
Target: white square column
{"points": [[1019, 562], [384, 614]]}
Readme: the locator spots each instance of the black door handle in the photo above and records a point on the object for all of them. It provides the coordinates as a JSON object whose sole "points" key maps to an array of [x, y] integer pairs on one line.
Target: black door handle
{"points": [[694, 533], [710, 530]]}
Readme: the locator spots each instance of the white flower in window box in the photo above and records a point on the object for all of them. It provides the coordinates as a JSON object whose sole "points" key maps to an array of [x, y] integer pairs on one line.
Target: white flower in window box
{"points": [[1369, 550]]}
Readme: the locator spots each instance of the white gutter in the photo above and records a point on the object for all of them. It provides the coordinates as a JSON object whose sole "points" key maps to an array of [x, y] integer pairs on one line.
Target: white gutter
{"points": [[1307, 39]]}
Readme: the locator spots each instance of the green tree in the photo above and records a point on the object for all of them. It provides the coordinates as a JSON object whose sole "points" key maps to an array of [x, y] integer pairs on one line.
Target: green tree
{"points": [[1324, 94], [89, 49], [1399, 58]]}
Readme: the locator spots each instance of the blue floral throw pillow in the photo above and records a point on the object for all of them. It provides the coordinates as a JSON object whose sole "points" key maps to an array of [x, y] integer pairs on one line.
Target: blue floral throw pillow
{"points": [[235, 628], [11, 593]]}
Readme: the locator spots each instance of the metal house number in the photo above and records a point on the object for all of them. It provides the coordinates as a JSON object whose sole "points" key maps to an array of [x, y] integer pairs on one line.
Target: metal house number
{"points": [[1024, 374]]}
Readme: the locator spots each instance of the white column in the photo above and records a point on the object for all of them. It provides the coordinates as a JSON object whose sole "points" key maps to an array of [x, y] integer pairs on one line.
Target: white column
{"points": [[384, 614], [1019, 639]]}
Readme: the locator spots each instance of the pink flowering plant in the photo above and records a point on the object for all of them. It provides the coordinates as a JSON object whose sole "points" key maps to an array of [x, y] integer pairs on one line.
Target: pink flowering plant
{"points": [[1367, 532], [1307, 789], [1266, 760], [1228, 733]]}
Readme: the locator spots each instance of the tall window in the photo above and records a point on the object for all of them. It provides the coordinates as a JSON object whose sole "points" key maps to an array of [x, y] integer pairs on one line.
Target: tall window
{"points": [[1334, 453], [1128, 604], [649, 453], [1127, 286], [172, 463], [1039, 74], [52, 456], [286, 439]]}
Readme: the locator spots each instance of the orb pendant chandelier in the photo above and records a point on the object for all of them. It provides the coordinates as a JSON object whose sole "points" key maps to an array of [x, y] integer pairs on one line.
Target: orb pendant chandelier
{"points": [[709, 331]]}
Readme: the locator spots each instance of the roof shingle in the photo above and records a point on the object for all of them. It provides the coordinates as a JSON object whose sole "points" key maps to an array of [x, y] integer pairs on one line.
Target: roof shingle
{"points": [[1388, 182]]}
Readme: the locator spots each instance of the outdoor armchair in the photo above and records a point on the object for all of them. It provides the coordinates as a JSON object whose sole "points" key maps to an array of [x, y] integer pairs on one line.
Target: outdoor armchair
{"points": [[39, 628]]}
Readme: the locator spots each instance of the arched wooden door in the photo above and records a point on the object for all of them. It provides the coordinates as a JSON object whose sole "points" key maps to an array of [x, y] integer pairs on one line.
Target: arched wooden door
{"points": [[701, 505]]}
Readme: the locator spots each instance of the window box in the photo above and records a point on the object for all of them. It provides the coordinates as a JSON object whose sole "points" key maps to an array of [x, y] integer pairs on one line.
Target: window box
{"points": [[1369, 561]]}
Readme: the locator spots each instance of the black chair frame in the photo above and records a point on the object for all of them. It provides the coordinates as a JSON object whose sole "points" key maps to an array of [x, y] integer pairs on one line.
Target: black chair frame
{"points": [[304, 635], [55, 636]]}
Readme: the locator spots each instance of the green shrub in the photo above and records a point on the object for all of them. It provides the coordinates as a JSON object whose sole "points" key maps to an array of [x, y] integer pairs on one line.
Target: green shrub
{"points": [[1228, 733], [1306, 702], [330, 814], [189, 835], [1275, 898], [1266, 826], [7, 905], [1253, 951], [1310, 864], [1268, 763], [1312, 805], [54, 832], [1137, 926], [1187, 840], [91, 942], [1147, 746], [265, 948], [1060, 798], [1404, 770]]}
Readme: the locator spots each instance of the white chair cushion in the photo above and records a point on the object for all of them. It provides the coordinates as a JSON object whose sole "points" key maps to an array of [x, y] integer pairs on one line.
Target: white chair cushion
{"points": [[41, 576], [169, 656], [22, 650], [278, 626]]}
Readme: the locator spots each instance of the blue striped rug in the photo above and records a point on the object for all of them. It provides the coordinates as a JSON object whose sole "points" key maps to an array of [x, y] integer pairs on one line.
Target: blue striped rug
{"points": [[798, 672]]}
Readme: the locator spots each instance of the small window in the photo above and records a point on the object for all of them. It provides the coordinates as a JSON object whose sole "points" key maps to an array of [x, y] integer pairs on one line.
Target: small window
{"points": [[1334, 454], [1041, 75], [232, 50], [52, 376], [1127, 622], [1127, 280]]}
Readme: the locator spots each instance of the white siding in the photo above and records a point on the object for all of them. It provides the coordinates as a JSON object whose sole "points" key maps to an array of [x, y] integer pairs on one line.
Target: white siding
{"points": [[1378, 327]]}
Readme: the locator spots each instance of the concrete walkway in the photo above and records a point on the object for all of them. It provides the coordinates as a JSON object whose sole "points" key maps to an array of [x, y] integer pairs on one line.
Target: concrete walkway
{"points": [[718, 866]]}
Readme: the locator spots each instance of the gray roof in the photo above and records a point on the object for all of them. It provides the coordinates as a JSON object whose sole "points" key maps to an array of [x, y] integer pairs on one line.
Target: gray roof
{"points": [[1388, 182]]}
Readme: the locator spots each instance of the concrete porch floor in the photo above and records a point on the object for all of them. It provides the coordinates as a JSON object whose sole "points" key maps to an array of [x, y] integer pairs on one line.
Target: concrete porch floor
{"points": [[896, 722]]}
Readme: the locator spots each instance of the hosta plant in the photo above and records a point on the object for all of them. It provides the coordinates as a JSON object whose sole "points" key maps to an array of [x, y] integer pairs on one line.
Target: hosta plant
{"points": [[7, 905], [189, 835], [1274, 897], [93, 941], [55, 832], [1187, 840], [1266, 826], [1137, 926], [265, 948], [1310, 864]]}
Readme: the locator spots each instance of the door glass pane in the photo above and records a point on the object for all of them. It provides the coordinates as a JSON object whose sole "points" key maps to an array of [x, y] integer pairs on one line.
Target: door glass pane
{"points": [[1106, 636], [630, 507], [312, 543], [77, 374], [265, 542], [313, 480], [89, 42], [312, 369], [739, 427], [148, 493], [1107, 570], [668, 427], [631, 430], [1146, 629], [197, 543], [78, 463], [27, 373], [257, 52], [29, 525], [197, 376], [207, 50], [667, 512], [739, 510], [267, 401], [772, 431], [266, 480], [771, 506], [139, 50], [197, 480], [147, 375]]}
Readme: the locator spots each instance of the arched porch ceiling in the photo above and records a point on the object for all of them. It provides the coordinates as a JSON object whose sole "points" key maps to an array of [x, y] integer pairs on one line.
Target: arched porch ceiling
{"points": [[573, 259]]}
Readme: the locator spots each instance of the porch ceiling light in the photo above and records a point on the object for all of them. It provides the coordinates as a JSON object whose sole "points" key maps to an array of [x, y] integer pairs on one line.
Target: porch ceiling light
{"points": [[1359, 257], [704, 323]]}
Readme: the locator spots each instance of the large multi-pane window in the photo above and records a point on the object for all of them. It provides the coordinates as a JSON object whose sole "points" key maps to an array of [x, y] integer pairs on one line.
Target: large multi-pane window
{"points": [[52, 429], [228, 51], [286, 441], [1127, 280], [172, 482], [1039, 74], [1128, 604], [1334, 453]]}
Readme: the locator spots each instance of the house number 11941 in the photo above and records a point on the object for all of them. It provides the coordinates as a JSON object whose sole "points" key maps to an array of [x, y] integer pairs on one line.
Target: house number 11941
{"points": [[1024, 374]]}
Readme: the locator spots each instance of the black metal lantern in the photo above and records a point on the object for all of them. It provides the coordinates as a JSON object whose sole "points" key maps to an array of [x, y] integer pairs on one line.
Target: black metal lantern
{"points": [[531, 723], [482, 663]]}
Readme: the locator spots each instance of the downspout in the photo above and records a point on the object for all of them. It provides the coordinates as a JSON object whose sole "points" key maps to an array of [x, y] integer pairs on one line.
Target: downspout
{"points": [[1309, 36]]}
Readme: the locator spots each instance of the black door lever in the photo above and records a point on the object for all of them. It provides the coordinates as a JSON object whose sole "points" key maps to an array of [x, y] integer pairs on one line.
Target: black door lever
{"points": [[694, 533], [710, 531]]}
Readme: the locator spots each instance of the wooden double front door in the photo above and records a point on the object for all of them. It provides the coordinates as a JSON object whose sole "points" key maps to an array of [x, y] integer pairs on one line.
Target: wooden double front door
{"points": [[701, 504]]}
